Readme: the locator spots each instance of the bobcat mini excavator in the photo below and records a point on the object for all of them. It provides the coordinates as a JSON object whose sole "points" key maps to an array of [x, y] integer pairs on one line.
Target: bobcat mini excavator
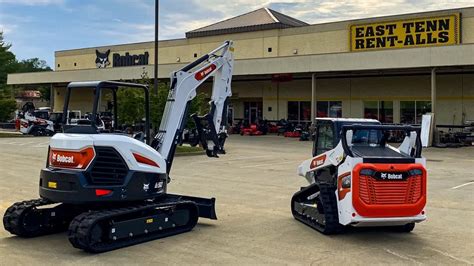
{"points": [[356, 178], [109, 189]]}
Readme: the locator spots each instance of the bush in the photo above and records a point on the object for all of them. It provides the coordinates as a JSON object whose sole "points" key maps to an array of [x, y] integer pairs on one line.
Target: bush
{"points": [[7, 107]]}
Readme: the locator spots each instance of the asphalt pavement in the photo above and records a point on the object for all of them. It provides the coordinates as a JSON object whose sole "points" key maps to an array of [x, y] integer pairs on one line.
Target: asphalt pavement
{"points": [[253, 184]]}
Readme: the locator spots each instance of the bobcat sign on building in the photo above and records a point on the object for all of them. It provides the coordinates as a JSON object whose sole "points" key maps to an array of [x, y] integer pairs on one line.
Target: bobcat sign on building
{"points": [[433, 31], [288, 69], [102, 59]]}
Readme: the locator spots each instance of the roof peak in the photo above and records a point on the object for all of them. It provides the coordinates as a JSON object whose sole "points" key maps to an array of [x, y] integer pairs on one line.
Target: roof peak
{"points": [[260, 19]]}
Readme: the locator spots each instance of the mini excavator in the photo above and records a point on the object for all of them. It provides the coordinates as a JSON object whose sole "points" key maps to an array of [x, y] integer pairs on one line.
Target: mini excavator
{"points": [[108, 189]]}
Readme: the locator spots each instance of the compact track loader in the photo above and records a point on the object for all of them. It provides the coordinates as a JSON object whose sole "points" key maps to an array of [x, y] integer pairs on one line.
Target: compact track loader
{"points": [[356, 178], [109, 190]]}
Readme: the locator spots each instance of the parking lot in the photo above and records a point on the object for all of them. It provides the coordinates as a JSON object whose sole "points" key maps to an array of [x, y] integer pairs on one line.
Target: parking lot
{"points": [[253, 185]]}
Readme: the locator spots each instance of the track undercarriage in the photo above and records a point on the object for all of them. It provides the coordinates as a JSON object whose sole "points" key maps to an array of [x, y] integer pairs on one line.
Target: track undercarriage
{"points": [[315, 206], [110, 227]]}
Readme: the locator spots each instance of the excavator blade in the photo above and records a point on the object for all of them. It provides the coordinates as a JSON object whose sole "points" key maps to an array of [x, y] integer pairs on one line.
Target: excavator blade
{"points": [[207, 207]]}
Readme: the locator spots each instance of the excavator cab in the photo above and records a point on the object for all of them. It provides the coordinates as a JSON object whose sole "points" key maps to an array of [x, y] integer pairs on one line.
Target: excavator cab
{"points": [[104, 95]]}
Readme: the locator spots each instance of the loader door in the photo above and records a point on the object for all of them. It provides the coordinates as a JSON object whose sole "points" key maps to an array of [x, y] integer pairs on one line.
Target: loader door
{"points": [[324, 140]]}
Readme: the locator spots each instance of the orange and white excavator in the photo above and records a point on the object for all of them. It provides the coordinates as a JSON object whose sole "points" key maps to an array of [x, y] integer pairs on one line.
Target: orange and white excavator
{"points": [[356, 178]]}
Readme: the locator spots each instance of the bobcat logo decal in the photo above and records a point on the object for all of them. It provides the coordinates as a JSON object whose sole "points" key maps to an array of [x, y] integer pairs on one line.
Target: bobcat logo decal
{"points": [[102, 60]]}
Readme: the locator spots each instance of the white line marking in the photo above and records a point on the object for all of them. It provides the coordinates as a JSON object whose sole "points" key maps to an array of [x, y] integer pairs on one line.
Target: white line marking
{"points": [[39, 146], [401, 256], [449, 255], [463, 185], [266, 164], [230, 160]]}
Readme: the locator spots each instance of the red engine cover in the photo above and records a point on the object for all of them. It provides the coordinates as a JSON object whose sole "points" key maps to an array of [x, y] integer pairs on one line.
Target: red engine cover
{"points": [[383, 196]]}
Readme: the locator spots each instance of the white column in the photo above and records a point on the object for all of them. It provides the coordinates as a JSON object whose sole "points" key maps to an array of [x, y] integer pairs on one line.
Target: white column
{"points": [[432, 137], [313, 99]]}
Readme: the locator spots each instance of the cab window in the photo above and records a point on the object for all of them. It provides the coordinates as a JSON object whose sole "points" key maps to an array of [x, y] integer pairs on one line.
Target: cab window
{"points": [[325, 139]]}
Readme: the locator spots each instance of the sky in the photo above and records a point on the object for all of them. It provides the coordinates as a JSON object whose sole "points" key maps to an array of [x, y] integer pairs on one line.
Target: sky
{"points": [[37, 28]]}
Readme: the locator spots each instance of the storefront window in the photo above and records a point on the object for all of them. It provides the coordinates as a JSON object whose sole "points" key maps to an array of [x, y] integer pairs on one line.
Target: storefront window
{"points": [[412, 111], [386, 112], [407, 112], [380, 110], [371, 109], [422, 107], [329, 109], [322, 109], [335, 109], [299, 111], [305, 111], [293, 111]]}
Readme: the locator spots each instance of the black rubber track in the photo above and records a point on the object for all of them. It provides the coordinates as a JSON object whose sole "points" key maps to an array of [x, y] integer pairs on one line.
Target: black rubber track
{"points": [[329, 224], [26, 220], [81, 228]]}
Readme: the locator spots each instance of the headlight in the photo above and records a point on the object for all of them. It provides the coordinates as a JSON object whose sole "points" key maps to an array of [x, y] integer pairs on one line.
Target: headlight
{"points": [[346, 182], [344, 185]]}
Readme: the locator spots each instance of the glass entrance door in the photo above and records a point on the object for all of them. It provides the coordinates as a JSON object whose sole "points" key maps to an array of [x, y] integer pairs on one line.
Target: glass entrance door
{"points": [[252, 112]]}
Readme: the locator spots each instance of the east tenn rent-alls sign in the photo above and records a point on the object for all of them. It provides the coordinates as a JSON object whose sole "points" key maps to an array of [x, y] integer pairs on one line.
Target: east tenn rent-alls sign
{"points": [[433, 31]]}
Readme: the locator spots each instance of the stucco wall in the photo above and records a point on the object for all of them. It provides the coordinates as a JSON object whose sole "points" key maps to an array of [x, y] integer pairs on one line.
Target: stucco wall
{"points": [[309, 40], [455, 94]]}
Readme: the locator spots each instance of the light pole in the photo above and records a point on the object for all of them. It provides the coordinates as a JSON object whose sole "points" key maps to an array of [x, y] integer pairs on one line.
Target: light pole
{"points": [[155, 76]]}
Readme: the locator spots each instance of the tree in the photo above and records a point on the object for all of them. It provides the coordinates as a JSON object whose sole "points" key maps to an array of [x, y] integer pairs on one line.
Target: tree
{"points": [[32, 65], [7, 107], [7, 61], [7, 65], [131, 102], [130, 106], [35, 65]]}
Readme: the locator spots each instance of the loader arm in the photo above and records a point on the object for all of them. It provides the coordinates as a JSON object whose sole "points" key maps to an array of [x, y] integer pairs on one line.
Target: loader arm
{"points": [[331, 157], [184, 83]]}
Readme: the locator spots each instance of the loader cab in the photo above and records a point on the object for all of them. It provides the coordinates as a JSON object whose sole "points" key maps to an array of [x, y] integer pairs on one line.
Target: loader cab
{"points": [[102, 114], [328, 132]]}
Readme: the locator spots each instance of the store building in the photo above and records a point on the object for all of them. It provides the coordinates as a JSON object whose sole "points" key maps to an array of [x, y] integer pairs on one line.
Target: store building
{"points": [[393, 68]]}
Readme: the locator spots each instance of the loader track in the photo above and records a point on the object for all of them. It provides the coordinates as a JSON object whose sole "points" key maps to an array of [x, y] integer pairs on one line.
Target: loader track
{"points": [[109, 229], [27, 219], [316, 206]]}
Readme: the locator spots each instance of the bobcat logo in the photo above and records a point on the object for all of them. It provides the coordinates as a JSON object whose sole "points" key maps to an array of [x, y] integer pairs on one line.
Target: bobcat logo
{"points": [[102, 60]]}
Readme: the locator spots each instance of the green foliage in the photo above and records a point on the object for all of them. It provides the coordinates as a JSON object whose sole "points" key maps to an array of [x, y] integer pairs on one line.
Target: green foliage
{"points": [[9, 64], [7, 107], [7, 61], [131, 103], [45, 92], [157, 104], [199, 105], [32, 65], [35, 65], [130, 106]]}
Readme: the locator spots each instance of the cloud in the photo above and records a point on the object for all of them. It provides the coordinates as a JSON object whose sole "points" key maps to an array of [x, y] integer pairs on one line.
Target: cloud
{"points": [[32, 2], [328, 11], [7, 28], [34, 23]]}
